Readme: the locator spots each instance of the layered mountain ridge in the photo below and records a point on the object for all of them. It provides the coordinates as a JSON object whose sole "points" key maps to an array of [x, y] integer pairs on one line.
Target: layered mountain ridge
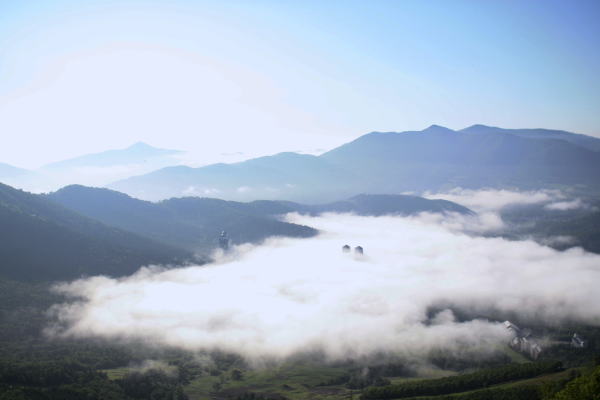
{"points": [[435, 158], [81, 231]]}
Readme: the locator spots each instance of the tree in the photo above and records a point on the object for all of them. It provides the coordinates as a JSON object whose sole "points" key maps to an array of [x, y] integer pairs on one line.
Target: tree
{"points": [[237, 375]]}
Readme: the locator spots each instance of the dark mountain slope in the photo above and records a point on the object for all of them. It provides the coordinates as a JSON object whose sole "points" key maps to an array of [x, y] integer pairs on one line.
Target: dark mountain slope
{"points": [[195, 223], [42, 240], [376, 205], [589, 142], [191, 223], [213, 215], [441, 146], [438, 157], [363, 204]]}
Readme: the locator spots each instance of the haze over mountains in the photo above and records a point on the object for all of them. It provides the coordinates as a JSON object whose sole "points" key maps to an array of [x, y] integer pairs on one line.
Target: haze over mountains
{"points": [[8, 171], [415, 247], [247, 200], [92, 169], [194, 223], [201, 204], [435, 158]]}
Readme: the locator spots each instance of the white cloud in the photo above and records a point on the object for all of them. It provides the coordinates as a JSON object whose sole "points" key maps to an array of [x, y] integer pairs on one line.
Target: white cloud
{"points": [[292, 295], [566, 205], [200, 191], [495, 199], [154, 365]]}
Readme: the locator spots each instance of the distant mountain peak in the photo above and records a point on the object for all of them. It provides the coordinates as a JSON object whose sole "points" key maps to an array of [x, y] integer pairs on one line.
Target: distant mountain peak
{"points": [[140, 146], [437, 128], [479, 127], [137, 152]]}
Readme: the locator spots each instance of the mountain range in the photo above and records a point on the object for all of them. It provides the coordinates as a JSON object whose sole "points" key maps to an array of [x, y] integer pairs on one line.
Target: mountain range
{"points": [[92, 169], [137, 153], [79, 231], [194, 223], [189, 223], [435, 158], [588, 142]]}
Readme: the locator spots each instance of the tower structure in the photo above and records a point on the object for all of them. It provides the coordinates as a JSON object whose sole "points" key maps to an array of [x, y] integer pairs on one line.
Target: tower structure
{"points": [[224, 241]]}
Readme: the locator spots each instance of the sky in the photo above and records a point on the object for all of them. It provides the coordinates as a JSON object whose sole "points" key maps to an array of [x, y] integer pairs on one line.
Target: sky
{"points": [[258, 77]]}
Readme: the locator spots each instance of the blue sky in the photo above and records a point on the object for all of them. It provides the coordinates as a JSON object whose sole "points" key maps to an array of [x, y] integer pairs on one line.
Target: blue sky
{"points": [[260, 77]]}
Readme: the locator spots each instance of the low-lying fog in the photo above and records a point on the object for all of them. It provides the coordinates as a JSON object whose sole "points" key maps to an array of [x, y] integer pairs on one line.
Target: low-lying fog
{"points": [[292, 295]]}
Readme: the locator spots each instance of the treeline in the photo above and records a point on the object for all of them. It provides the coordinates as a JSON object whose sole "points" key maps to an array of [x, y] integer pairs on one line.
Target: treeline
{"points": [[260, 396], [52, 380], [44, 374], [462, 383], [581, 224], [513, 393], [585, 387], [372, 375], [573, 387], [153, 384], [62, 381]]}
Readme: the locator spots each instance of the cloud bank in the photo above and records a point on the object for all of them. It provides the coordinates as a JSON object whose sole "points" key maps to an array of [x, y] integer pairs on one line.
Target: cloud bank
{"points": [[294, 295], [493, 200]]}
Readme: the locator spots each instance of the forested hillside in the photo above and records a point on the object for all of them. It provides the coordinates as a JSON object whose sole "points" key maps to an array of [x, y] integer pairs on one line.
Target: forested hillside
{"points": [[190, 223], [194, 223], [42, 240]]}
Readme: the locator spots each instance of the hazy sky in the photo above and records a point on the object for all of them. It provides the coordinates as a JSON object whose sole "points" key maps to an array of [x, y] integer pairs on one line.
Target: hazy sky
{"points": [[259, 77]]}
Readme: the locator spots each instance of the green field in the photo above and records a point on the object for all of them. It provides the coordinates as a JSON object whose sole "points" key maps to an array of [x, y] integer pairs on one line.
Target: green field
{"points": [[297, 381]]}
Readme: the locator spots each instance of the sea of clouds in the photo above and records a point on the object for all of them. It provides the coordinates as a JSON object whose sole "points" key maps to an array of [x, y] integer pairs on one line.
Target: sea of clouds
{"points": [[295, 295]]}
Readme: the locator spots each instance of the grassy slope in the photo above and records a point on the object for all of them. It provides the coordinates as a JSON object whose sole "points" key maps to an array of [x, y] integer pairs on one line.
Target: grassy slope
{"points": [[301, 381], [537, 381], [294, 381]]}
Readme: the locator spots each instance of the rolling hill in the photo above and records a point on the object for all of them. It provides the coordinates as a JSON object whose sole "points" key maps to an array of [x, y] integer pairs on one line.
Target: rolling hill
{"points": [[389, 204], [42, 240], [195, 223], [190, 223]]}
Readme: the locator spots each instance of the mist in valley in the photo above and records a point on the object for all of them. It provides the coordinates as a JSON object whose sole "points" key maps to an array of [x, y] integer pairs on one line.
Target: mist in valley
{"points": [[291, 296]]}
